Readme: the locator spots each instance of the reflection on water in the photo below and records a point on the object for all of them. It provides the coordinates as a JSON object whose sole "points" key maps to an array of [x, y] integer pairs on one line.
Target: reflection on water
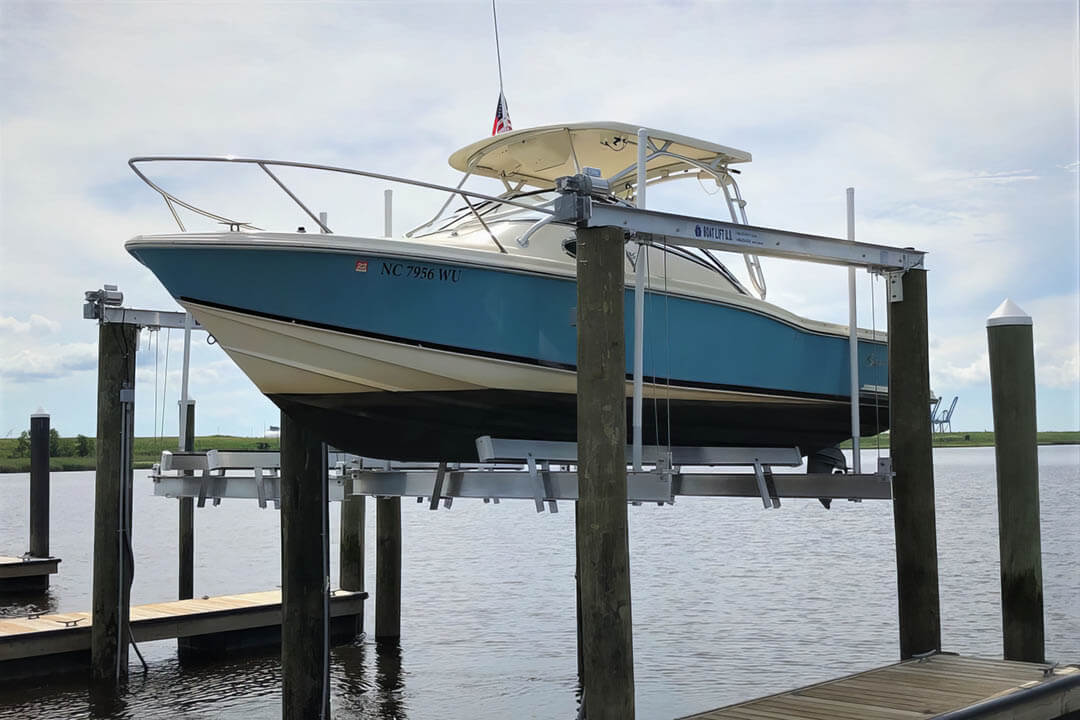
{"points": [[721, 589]]}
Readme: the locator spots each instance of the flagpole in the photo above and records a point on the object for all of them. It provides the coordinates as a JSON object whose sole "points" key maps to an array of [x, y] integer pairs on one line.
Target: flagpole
{"points": [[498, 52]]}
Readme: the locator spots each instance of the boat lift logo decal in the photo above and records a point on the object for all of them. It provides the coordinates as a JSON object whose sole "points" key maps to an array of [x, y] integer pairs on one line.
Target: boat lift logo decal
{"points": [[725, 234], [361, 266], [713, 232]]}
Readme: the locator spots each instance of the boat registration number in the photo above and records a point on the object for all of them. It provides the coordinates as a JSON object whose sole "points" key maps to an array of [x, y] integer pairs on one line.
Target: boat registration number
{"points": [[411, 271]]}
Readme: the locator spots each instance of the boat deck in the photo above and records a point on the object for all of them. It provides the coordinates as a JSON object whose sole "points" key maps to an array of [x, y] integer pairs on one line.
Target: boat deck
{"points": [[941, 686]]}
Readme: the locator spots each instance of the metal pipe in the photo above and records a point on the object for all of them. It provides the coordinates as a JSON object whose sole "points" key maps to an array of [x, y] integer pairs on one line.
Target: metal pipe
{"points": [[290, 193], [853, 341], [322, 221], [388, 213], [639, 303]]}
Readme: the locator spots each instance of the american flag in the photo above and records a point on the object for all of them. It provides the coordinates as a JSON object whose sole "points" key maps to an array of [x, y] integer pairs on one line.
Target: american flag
{"points": [[502, 117]]}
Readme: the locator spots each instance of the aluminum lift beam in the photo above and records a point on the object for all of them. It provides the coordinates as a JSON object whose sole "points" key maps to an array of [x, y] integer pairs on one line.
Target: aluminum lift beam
{"points": [[579, 203], [642, 486]]}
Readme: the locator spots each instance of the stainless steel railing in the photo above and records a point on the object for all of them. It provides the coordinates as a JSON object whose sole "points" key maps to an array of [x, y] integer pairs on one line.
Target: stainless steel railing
{"points": [[173, 201]]}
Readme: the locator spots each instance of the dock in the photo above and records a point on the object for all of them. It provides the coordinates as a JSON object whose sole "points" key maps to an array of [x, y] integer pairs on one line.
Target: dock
{"points": [[36, 644], [26, 574], [941, 686]]}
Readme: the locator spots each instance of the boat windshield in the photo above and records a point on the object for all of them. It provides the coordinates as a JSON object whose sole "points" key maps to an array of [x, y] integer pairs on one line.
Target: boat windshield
{"points": [[528, 162], [484, 214]]}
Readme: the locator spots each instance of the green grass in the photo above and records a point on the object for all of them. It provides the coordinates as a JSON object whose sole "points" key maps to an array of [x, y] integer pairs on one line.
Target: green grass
{"points": [[147, 451], [974, 439]]}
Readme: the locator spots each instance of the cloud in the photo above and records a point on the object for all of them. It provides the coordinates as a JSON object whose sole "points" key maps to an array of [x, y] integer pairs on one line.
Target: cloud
{"points": [[938, 113], [36, 324], [48, 362]]}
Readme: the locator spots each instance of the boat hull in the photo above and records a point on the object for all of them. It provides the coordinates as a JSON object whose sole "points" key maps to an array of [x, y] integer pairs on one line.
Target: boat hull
{"points": [[413, 357], [444, 425]]}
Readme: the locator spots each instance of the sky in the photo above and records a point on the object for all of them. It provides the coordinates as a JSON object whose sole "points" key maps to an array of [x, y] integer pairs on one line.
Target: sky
{"points": [[955, 122]]}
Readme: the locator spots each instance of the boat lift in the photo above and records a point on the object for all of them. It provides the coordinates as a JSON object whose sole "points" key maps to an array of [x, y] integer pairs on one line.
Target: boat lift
{"points": [[584, 200]]}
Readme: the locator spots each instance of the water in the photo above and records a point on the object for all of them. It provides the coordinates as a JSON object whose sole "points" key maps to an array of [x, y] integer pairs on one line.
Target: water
{"points": [[729, 602]]}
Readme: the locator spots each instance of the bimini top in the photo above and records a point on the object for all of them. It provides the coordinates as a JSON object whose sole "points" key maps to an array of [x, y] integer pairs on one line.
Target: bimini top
{"points": [[537, 156]]}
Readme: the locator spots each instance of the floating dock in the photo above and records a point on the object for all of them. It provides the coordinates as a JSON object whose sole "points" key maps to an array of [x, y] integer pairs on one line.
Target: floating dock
{"points": [[26, 574], [942, 686], [37, 644]]}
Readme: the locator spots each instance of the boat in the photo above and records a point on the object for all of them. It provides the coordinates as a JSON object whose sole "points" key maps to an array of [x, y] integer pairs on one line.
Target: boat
{"points": [[412, 347]]}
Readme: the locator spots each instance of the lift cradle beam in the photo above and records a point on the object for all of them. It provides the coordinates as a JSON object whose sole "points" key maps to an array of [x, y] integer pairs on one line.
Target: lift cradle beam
{"points": [[509, 485]]}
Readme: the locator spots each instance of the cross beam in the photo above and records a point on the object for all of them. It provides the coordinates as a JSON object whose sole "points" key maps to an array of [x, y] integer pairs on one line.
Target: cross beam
{"points": [[711, 234]]}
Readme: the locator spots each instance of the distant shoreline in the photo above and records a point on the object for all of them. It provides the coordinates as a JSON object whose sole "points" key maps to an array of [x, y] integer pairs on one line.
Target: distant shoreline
{"points": [[148, 450]]}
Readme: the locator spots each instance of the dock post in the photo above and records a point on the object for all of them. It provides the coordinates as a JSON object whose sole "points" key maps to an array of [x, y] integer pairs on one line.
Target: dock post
{"points": [[602, 535], [186, 574], [351, 555], [1012, 388], [304, 621], [39, 486], [388, 568], [914, 522], [117, 343]]}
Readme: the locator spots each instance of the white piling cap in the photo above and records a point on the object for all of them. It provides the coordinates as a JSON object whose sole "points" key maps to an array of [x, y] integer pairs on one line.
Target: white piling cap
{"points": [[40, 413], [1008, 313]]}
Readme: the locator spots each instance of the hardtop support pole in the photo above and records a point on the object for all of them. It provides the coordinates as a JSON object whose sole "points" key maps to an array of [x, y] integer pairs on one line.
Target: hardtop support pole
{"points": [[388, 568], [602, 537], [1012, 387], [111, 602], [39, 487], [304, 621], [919, 605], [853, 343], [640, 264]]}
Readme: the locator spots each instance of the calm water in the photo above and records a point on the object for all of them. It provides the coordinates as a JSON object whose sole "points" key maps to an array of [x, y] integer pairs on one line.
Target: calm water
{"points": [[730, 601]]}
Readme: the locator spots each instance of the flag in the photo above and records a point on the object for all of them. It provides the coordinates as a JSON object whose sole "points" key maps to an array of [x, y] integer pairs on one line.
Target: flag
{"points": [[502, 117]]}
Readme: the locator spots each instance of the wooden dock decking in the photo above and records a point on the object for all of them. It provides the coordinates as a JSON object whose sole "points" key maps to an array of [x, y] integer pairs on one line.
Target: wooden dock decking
{"points": [[43, 636], [19, 574], [940, 686]]}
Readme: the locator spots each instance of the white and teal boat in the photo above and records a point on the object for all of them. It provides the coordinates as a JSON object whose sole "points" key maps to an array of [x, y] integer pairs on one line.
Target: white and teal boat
{"points": [[412, 347]]}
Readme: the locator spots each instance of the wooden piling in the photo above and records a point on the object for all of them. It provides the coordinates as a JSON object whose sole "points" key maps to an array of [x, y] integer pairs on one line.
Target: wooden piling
{"points": [[387, 568], [914, 521], [351, 555], [39, 486], [117, 343], [186, 545], [1012, 388], [602, 537], [304, 647]]}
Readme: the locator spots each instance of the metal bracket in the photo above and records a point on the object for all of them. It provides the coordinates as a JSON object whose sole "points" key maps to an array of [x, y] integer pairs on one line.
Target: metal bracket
{"points": [[896, 286], [766, 485], [437, 488], [537, 483]]}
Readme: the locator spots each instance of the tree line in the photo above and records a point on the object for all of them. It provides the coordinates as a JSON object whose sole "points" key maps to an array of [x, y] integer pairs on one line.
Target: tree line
{"points": [[78, 446]]}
